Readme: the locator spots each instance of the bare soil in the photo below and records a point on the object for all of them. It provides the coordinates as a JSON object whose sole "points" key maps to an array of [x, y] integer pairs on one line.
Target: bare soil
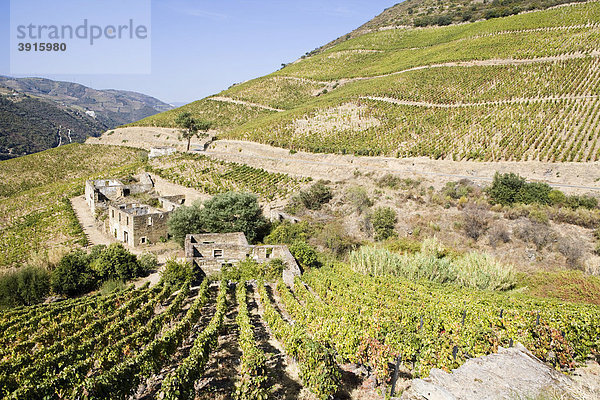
{"points": [[146, 138], [569, 177]]}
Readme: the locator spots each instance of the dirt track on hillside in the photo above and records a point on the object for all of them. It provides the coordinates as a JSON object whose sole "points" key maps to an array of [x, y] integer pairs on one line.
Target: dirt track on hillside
{"points": [[145, 138], [241, 102], [570, 177]]}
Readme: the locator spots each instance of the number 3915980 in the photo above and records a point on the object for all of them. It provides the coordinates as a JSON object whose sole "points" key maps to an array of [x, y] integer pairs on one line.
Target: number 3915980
{"points": [[42, 47]]}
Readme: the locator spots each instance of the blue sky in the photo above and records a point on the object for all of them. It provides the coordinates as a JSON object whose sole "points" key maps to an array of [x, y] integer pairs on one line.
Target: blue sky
{"points": [[202, 47]]}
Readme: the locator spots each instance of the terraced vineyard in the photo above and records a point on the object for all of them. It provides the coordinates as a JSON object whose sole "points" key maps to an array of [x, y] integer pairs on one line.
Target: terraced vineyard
{"points": [[157, 341], [524, 87], [35, 213], [214, 176], [222, 115]]}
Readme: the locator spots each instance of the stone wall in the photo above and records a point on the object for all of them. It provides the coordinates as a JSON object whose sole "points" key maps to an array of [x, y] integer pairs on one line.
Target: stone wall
{"points": [[210, 252], [137, 230]]}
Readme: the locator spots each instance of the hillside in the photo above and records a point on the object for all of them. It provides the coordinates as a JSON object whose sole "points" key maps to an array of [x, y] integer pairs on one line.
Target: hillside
{"points": [[29, 125], [37, 113], [523, 87], [35, 213], [419, 13]]}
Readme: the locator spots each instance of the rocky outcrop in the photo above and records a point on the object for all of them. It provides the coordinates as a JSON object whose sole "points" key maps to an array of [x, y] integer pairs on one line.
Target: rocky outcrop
{"points": [[512, 373]]}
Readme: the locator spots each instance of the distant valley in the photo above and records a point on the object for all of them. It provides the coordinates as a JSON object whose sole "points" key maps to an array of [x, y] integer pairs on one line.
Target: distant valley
{"points": [[37, 114]]}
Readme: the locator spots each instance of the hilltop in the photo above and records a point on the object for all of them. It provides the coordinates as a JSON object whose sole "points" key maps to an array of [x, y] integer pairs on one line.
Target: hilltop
{"points": [[517, 88], [419, 13]]}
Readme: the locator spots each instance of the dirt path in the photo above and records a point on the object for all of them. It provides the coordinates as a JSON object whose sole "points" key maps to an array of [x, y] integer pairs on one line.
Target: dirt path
{"points": [[570, 177], [282, 374], [88, 223], [466, 64], [167, 188], [218, 380], [245, 103], [146, 138], [482, 103], [150, 387]]}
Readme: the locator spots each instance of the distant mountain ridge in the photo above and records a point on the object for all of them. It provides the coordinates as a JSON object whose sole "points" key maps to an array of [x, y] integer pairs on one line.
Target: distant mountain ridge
{"points": [[38, 113], [112, 107]]}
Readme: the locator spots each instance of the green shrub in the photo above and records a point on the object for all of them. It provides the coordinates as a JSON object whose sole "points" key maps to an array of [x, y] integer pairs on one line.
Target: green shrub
{"points": [[587, 202], [334, 238], [287, 233], [177, 272], [185, 220], [402, 245], [73, 275], [557, 198], [533, 192], [115, 262], [312, 198], [148, 263], [305, 254], [395, 182], [508, 189], [24, 287], [224, 213], [249, 269], [457, 190], [383, 220]]}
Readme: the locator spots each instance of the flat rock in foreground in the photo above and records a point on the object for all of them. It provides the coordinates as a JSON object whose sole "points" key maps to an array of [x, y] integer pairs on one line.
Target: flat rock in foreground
{"points": [[512, 373]]}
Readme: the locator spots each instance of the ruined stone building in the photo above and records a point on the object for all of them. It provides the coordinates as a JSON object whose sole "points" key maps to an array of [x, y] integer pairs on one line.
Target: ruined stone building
{"points": [[169, 203], [99, 193], [137, 224], [212, 251], [124, 217]]}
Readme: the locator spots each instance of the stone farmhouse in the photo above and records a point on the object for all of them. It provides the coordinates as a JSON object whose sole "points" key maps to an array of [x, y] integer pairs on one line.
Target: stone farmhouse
{"points": [[212, 251], [99, 193], [137, 224], [126, 219]]}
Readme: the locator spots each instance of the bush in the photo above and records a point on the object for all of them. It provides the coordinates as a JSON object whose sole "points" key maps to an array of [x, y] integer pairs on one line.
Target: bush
{"points": [[148, 263], [334, 238], [383, 220], [224, 213], [249, 269], [115, 262], [73, 275], [533, 232], [177, 272], [395, 182], [185, 220], [24, 287], [234, 212], [508, 189], [457, 190], [111, 286], [534, 193], [358, 197], [317, 195], [587, 202], [304, 254], [475, 222], [572, 250], [498, 234], [287, 233]]}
